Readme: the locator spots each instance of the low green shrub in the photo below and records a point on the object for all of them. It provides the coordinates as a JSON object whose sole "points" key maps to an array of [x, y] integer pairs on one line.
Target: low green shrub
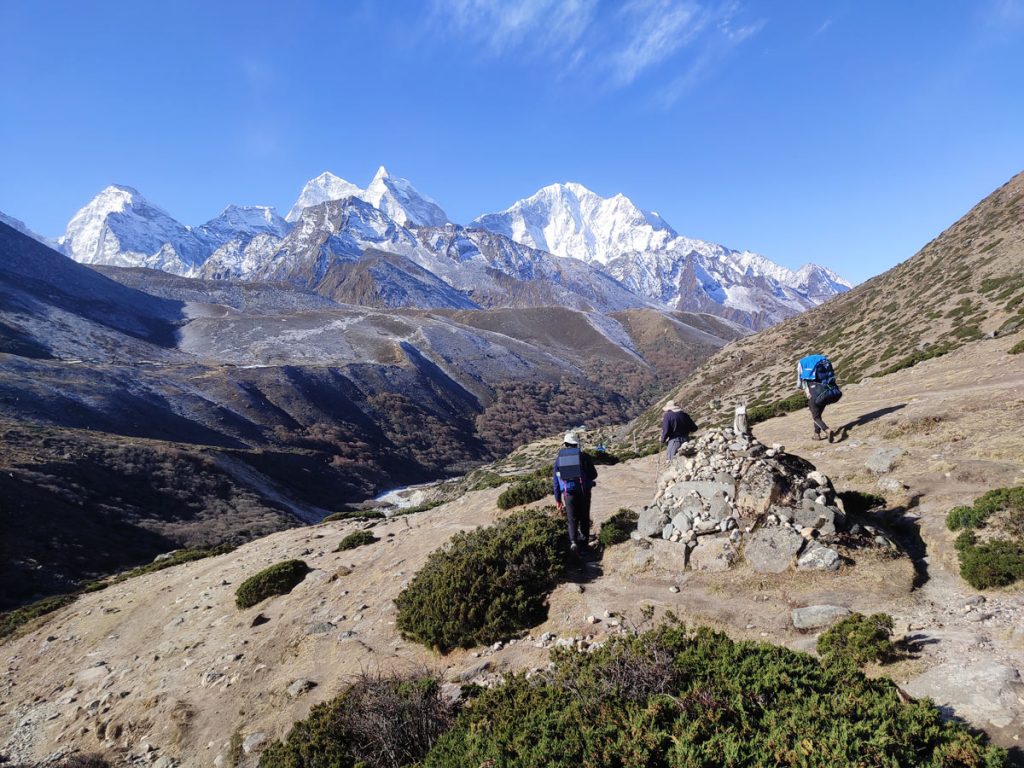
{"points": [[616, 529], [604, 458], [999, 561], [356, 539], [994, 563], [647, 449], [12, 620], [1017, 348], [354, 514], [758, 413], [965, 517], [417, 508], [378, 722], [86, 760], [672, 698], [278, 579], [524, 491], [858, 639], [482, 480], [936, 350], [174, 558], [485, 585]]}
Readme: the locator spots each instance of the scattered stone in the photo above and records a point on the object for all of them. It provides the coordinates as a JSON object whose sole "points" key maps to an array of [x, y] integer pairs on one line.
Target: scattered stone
{"points": [[883, 460], [252, 741], [473, 672], [258, 619], [319, 628], [300, 686], [890, 484], [815, 616], [818, 558], [674, 589]]}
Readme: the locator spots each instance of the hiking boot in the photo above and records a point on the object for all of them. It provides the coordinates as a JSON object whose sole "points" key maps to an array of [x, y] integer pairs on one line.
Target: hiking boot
{"points": [[573, 547], [831, 436], [816, 436]]}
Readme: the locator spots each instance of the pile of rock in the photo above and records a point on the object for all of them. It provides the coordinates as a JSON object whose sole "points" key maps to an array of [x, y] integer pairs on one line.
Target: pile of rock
{"points": [[725, 494]]}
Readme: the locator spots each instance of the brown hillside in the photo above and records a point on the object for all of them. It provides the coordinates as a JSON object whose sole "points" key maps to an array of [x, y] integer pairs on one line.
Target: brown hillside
{"points": [[965, 285]]}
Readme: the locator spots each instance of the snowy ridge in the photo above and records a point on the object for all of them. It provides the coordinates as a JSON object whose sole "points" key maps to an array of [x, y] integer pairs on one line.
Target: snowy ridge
{"points": [[564, 245], [643, 252], [19, 225]]}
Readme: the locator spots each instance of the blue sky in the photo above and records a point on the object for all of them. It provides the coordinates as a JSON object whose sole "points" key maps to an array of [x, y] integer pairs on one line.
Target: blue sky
{"points": [[848, 133]]}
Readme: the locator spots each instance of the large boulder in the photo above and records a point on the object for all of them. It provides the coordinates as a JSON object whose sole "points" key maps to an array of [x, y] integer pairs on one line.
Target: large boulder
{"points": [[651, 521], [815, 616], [771, 550], [715, 555]]}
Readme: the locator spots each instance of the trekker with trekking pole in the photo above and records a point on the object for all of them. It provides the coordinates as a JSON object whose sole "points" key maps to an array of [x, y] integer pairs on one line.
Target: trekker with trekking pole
{"points": [[816, 377], [574, 476]]}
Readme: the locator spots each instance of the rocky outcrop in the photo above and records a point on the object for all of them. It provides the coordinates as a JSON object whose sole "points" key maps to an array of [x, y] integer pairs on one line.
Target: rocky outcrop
{"points": [[727, 497]]}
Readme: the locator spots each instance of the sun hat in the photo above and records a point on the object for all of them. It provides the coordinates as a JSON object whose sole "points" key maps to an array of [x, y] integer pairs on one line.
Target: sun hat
{"points": [[571, 439], [671, 406]]}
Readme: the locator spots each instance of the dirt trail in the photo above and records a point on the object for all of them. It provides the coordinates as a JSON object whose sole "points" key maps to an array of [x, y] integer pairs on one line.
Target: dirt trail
{"points": [[959, 422], [166, 660]]}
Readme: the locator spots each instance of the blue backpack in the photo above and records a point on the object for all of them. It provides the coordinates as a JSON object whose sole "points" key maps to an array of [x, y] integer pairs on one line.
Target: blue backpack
{"points": [[569, 470], [817, 368]]}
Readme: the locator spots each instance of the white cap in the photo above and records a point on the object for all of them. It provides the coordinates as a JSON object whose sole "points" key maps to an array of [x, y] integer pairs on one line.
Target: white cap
{"points": [[571, 439]]}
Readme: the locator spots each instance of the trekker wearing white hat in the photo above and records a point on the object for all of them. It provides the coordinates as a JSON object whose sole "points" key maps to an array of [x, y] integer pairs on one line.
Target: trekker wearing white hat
{"points": [[676, 426], [573, 478]]}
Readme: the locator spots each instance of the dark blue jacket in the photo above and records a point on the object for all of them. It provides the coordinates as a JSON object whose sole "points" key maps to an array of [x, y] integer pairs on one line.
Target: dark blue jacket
{"points": [[676, 424], [589, 475]]}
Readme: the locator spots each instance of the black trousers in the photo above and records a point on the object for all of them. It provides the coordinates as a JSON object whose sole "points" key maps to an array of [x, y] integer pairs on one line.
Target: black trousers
{"points": [[577, 516], [816, 411]]}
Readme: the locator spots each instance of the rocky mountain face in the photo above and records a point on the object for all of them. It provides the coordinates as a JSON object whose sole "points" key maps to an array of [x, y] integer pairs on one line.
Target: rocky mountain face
{"points": [[275, 403], [965, 286], [563, 246], [646, 255]]}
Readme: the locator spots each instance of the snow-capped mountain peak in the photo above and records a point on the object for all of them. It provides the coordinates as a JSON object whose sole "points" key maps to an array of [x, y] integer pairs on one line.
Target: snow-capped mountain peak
{"points": [[120, 227], [568, 219], [323, 188], [401, 201]]}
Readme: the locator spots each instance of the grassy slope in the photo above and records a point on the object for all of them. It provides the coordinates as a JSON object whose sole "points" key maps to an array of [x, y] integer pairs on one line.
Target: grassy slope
{"points": [[962, 286]]}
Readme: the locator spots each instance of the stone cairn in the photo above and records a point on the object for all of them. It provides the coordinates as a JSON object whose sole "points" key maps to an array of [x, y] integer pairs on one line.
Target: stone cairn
{"points": [[726, 493]]}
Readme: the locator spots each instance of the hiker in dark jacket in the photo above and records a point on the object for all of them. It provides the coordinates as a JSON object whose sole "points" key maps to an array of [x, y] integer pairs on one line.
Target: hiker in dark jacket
{"points": [[676, 427], [573, 477]]}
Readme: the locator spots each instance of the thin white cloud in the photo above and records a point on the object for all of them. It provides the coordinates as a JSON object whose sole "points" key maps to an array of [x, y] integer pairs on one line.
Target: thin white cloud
{"points": [[615, 43], [724, 36], [541, 25]]}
